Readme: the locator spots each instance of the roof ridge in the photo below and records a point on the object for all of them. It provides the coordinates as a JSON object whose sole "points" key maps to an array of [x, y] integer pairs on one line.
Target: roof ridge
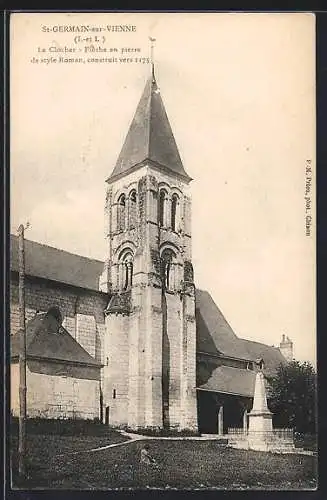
{"points": [[59, 249], [222, 315], [259, 343], [236, 367]]}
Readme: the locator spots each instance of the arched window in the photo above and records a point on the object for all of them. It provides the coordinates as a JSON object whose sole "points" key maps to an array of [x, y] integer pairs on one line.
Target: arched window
{"points": [[162, 207], [174, 214], [167, 269], [132, 209], [126, 271], [121, 212]]}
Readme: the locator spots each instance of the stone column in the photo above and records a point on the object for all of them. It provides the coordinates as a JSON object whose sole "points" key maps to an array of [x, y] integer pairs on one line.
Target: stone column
{"points": [[113, 223], [245, 421], [221, 421], [120, 275]]}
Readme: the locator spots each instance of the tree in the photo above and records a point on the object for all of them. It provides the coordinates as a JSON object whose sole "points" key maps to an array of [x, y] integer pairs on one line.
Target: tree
{"points": [[292, 396]]}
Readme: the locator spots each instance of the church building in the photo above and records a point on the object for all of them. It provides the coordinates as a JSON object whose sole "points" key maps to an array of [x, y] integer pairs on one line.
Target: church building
{"points": [[131, 341]]}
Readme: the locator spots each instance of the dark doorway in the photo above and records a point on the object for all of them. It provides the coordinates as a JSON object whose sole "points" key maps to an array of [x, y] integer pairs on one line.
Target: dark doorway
{"points": [[208, 407], [233, 414], [107, 416], [207, 412]]}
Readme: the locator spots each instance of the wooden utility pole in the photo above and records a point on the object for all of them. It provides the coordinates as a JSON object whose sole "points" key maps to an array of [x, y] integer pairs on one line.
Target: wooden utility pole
{"points": [[22, 356]]}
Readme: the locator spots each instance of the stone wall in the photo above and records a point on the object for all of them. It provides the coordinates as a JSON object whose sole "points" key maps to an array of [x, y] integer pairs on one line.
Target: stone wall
{"points": [[115, 372], [175, 357], [153, 360], [57, 390]]}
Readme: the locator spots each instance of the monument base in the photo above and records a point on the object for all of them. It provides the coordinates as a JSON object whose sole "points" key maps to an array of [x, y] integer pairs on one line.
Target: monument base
{"points": [[268, 441], [260, 422]]}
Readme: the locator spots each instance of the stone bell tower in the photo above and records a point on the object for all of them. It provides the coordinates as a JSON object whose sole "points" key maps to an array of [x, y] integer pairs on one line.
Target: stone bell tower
{"points": [[150, 340]]}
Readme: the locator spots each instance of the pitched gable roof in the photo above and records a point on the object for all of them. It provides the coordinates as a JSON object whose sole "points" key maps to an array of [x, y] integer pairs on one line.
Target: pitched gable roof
{"points": [[46, 339], [215, 336], [150, 137], [51, 263], [230, 381]]}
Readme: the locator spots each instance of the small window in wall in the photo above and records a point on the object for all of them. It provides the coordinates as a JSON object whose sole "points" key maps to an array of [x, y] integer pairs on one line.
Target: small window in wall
{"points": [[114, 394], [174, 207], [121, 212], [107, 361], [162, 207], [127, 271], [167, 263]]}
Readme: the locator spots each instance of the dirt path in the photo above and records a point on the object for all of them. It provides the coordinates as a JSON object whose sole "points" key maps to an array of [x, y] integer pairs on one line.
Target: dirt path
{"points": [[89, 450], [132, 438]]}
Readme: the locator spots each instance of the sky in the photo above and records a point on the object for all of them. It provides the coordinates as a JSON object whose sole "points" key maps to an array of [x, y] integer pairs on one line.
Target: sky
{"points": [[239, 91]]}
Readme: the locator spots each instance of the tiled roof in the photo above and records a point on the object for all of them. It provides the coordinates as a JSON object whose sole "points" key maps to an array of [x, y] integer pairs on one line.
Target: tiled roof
{"points": [[46, 339], [51, 263], [150, 137], [230, 381], [215, 336], [271, 355]]}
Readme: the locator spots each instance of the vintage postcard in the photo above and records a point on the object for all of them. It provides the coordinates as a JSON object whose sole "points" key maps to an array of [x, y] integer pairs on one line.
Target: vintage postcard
{"points": [[163, 227]]}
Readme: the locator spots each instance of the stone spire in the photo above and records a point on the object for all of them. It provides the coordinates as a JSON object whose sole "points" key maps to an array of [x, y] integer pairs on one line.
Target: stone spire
{"points": [[150, 139]]}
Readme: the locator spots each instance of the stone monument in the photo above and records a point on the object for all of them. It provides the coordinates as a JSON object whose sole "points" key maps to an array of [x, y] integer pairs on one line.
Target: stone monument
{"points": [[260, 435], [260, 417]]}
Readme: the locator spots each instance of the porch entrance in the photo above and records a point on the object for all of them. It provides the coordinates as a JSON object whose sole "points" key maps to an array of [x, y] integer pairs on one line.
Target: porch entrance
{"points": [[216, 409]]}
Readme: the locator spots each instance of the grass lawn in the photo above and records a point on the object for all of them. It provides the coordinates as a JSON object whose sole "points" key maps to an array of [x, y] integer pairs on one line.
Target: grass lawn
{"points": [[182, 464]]}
